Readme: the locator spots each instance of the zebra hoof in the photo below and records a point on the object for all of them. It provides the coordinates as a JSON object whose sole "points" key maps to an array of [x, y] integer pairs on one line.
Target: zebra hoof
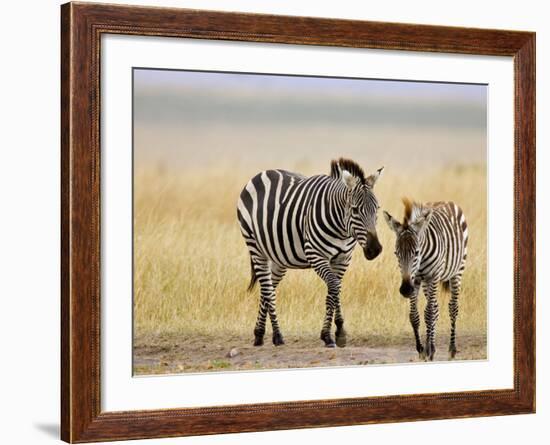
{"points": [[329, 342], [278, 339], [421, 352], [258, 341], [452, 352], [430, 352], [341, 340]]}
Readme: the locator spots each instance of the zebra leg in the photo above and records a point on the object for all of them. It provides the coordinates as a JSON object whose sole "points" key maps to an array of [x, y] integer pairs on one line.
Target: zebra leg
{"points": [[414, 317], [453, 312], [277, 274], [322, 267], [431, 315], [263, 273], [339, 269]]}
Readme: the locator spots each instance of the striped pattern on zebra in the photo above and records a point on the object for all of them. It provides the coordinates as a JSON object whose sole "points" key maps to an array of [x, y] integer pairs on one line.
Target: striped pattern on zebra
{"points": [[431, 248], [290, 221]]}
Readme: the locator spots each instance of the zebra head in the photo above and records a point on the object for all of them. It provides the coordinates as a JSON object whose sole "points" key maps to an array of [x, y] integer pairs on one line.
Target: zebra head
{"points": [[361, 209], [410, 237]]}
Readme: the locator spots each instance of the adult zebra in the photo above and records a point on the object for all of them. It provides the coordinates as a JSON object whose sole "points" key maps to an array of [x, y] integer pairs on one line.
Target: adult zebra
{"points": [[290, 221], [431, 248]]}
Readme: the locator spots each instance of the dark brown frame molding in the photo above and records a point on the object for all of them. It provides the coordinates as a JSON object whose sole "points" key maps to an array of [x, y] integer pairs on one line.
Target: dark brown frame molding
{"points": [[82, 25]]}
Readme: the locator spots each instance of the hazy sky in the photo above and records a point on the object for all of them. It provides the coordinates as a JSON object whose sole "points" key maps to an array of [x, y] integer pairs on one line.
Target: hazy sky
{"points": [[185, 116], [170, 79], [186, 96]]}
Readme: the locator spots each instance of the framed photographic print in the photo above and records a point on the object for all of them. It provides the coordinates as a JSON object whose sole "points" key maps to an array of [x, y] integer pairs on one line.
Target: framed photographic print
{"points": [[274, 222]]}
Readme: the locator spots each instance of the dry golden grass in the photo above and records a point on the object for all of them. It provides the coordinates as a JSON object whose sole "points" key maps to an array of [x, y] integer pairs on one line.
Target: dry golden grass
{"points": [[191, 264]]}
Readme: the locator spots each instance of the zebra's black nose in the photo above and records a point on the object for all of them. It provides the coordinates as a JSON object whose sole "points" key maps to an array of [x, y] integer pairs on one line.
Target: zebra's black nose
{"points": [[373, 248], [406, 289]]}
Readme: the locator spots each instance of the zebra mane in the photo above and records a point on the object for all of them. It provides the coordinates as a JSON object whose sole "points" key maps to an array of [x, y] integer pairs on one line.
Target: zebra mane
{"points": [[336, 168], [413, 211]]}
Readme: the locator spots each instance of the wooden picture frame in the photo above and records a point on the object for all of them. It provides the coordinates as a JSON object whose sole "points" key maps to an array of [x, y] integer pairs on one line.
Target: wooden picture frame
{"points": [[82, 26]]}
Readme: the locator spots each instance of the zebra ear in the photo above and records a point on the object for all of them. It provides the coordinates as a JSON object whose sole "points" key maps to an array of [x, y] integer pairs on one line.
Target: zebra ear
{"points": [[371, 180], [392, 222], [349, 179]]}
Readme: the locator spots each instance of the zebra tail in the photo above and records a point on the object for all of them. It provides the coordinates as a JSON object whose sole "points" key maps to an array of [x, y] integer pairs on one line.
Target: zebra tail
{"points": [[446, 286], [253, 277]]}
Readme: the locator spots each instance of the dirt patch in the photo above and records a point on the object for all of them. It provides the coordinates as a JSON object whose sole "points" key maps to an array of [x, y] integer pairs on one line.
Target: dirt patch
{"points": [[169, 354]]}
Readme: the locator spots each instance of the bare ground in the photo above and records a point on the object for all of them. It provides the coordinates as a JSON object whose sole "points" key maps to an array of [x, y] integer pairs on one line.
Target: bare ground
{"points": [[171, 354]]}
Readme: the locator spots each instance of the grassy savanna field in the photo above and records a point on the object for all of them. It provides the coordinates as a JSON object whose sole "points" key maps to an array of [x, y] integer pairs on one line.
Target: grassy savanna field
{"points": [[191, 271]]}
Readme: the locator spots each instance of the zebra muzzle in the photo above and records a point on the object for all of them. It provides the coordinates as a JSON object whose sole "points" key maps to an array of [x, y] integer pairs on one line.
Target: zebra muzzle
{"points": [[373, 247], [406, 289]]}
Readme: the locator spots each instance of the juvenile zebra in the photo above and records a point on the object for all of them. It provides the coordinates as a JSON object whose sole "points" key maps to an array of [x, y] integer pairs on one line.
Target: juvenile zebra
{"points": [[290, 221], [431, 248]]}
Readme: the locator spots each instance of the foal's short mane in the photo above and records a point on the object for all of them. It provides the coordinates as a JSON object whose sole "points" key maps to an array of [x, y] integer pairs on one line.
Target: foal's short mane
{"points": [[412, 211], [408, 211], [352, 167], [415, 210]]}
